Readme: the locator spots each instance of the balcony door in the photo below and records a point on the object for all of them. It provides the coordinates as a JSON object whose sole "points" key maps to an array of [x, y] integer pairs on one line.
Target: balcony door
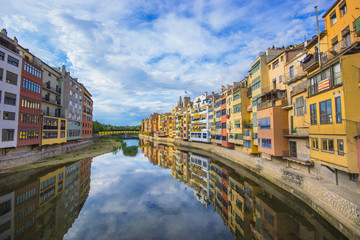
{"points": [[293, 152]]}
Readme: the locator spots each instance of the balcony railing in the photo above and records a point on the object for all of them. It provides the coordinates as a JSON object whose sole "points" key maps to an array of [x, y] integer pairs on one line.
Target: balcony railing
{"points": [[249, 93], [294, 75], [53, 101], [345, 44], [272, 103], [310, 62], [47, 86], [299, 87]]}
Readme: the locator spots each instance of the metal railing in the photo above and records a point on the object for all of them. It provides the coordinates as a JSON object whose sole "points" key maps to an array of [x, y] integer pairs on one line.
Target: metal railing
{"points": [[340, 47], [299, 87], [295, 74], [311, 62]]}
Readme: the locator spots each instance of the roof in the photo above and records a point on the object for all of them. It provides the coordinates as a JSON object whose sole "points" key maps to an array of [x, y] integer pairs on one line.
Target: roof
{"points": [[331, 8]]}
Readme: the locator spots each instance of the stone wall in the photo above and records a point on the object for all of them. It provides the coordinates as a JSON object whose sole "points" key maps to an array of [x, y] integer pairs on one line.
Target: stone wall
{"points": [[24, 155], [338, 205]]}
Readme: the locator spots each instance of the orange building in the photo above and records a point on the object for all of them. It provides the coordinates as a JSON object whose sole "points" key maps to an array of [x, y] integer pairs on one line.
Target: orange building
{"points": [[87, 115]]}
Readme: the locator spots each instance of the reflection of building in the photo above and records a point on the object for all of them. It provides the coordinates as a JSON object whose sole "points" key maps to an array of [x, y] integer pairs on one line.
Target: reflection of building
{"points": [[7, 216], [200, 177], [26, 204]]}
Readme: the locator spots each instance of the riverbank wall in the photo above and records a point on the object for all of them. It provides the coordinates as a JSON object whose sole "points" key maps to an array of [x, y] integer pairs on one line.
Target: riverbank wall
{"points": [[18, 157], [338, 205]]}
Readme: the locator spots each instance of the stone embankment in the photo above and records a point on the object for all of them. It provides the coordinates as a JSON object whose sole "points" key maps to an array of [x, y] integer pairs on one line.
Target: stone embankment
{"points": [[338, 205], [18, 157]]}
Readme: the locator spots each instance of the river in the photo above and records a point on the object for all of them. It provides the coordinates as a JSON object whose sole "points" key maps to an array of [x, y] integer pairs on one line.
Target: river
{"points": [[149, 191]]}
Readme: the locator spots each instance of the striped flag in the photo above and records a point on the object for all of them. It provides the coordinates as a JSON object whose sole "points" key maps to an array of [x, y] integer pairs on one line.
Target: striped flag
{"points": [[324, 84]]}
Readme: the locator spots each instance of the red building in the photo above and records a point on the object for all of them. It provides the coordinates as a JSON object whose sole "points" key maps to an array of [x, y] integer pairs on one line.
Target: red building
{"points": [[87, 115], [224, 118], [29, 132]]}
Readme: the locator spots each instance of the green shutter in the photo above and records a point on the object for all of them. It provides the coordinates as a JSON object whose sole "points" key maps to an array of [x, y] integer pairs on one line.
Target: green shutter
{"points": [[357, 25]]}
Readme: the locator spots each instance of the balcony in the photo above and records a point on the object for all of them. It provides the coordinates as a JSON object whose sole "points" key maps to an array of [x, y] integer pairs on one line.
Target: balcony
{"points": [[294, 75], [310, 62], [47, 99], [343, 46], [53, 114], [48, 87], [249, 93], [299, 88], [272, 103]]}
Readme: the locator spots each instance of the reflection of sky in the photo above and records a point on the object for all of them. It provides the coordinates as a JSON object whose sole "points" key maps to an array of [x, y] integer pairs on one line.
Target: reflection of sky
{"points": [[132, 199]]}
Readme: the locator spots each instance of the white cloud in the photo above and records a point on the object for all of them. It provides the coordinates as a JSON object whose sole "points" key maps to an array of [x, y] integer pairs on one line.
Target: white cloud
{"points": [[137, 56]]}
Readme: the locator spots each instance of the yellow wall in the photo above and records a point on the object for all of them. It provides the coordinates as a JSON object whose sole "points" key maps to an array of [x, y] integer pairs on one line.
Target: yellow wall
{"points": [[353, 12], [276, 72], [59, 139]]}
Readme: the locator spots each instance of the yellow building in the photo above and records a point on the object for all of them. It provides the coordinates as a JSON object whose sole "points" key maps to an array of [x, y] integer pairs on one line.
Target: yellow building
{"points": [[239, 116], [51, 185], [54, 130], [298, 113], [333, 91]]}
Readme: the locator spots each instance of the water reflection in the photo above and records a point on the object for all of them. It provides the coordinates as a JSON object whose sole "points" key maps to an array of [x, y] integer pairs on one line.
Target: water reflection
{"points": [[248, 209], [43, 204]]}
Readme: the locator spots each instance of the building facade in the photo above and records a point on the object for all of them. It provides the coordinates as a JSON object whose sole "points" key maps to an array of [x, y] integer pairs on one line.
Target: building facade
{"points": [[10, 81]]}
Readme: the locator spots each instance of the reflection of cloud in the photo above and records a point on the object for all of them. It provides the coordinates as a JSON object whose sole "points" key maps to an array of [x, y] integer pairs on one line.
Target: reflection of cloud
{"points": [[139, 56], [136, 200]]}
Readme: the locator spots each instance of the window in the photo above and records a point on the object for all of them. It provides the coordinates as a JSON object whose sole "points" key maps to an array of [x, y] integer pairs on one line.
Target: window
{"points": [[343, 8], [223, 125], [275, 64], [223, 138], [255, 67], [11, 78], [8, 115], [299, 104], [336, 74], [223, 112], [5, 207], [10, 99], [340, 146], [291, 71], [338, 110], [266, 143], [313, 116], [327, 145], [280, 78], [333, 19], [335, 43], [237, 108], [264, 123], [13, 61], [2, 55], [7, 135], [30, 85], [237, 96], [315, 143], [237, 124], [255, 86], [28, 134], [223, 101], [32, 104], [325, 112], [1, 74], [32, 70]]}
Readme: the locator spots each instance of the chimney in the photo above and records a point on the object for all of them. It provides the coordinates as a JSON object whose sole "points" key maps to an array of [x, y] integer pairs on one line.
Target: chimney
{"points": [[3, 31]]}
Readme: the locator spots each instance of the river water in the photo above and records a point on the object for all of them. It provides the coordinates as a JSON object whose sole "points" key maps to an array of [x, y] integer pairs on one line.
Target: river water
{"points": [[152, 192]]}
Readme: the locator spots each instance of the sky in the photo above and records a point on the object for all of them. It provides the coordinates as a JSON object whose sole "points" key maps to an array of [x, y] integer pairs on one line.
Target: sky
{"points": [[137, 57]]}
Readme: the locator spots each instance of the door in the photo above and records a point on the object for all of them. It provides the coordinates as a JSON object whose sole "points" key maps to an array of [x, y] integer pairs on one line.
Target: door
{"points": [[293, 149]]}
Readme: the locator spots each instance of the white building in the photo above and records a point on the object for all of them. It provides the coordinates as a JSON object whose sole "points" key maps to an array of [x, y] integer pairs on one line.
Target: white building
{"points": [[10, 81], [200, 130], [200, 177]]}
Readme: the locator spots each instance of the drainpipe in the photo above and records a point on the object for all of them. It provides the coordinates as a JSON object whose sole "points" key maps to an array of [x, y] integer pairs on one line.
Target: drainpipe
{"points": [[318, 28]]}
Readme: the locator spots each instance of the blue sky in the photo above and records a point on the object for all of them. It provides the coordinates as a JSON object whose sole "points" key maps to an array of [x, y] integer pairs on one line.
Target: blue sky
{"points": [[137, 57]]}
